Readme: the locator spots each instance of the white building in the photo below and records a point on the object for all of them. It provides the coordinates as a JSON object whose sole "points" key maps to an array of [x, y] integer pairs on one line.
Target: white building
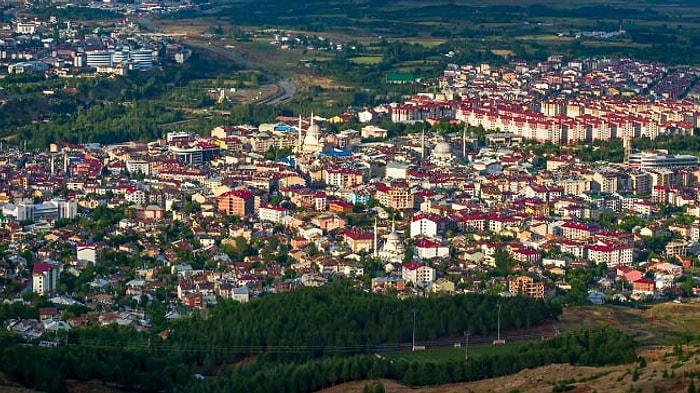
{"points": [[418, 273], [25, 28], [396, 170], [428, 249], [271, 213], [86, 253], [134, 166], [44, 278], [428, 225]]}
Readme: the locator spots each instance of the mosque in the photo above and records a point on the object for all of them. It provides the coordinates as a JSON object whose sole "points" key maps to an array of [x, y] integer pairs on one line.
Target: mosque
{"points": [[393, 249], [442, 155], [314, 141]]}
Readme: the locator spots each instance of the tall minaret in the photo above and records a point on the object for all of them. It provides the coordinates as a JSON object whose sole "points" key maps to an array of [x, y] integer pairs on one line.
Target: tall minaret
{"points": [[464, 142], [299, 139], [376, 239], [422, 145], [53, 164]]}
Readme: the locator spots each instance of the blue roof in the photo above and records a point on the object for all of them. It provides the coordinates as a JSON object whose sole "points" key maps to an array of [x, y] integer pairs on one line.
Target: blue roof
{"points": [[284, 127], [288, 161], [337, 153]]}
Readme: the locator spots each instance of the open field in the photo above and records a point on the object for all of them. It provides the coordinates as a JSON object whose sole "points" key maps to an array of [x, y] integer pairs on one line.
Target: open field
{"points": [[456, 353], [366, 59]]}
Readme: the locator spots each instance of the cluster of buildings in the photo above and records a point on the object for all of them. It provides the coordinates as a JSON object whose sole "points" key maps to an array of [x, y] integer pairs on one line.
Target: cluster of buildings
{"points": [[65, 48], [564, 102], [206, 218]]}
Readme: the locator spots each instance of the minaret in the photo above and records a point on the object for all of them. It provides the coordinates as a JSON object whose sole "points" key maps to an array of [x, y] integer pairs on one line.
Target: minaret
{"points": [[422, 145], [376, 239], [53, 164], [300, 139], [311, 121], [464, 142]]}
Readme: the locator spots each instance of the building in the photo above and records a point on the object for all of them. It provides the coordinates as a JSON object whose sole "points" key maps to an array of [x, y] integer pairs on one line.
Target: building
{"points": [[272, 213], [395, 195], [644, 286], [194, 153], [526, 286], [44, 278], [382, 284], [418, 273], [429, 225], [26, 28], [86, 252], [649, 160], [27, 66], [239, 203], [359, 240]]}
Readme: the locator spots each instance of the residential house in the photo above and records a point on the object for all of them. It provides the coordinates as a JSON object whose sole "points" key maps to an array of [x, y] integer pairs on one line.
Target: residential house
{"points": [[382, 284], [236, 203], [526, 286], [418, 273], [428, 225], [644, 286], [44, 278], [359, 240]]}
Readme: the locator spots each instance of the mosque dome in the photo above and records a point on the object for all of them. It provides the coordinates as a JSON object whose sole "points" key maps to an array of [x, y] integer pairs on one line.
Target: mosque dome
{"points": [[442, 148]]}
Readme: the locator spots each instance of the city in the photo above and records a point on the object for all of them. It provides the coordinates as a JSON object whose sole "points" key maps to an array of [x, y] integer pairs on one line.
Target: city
{"points": [[565, 183]]}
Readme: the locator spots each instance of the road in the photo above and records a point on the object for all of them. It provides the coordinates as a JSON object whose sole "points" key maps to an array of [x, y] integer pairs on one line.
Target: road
{"points": [[288, 91]]}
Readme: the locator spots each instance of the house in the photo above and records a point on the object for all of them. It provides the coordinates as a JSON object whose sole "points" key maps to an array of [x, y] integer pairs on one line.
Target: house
{"points": [[241, 294], [610, 253], [526, 286], [577, 230], [382, 284], [236, 203], [194, 300], [359, 240], [526, 255], [442, 285], [428, 225], [275, 214], [86, 253], [339, 206], [428, 249], [418, 273], [628, 273], [396, 195], [644, 286], [44, 278]]}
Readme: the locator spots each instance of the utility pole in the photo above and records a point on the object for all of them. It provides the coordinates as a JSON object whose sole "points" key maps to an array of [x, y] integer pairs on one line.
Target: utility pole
{"points": [[499, 322], [414, 331], [466, 346], [498, 340]]}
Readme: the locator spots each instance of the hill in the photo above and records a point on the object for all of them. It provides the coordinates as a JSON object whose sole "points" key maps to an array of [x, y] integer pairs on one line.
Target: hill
{"points": [[664, 372]]}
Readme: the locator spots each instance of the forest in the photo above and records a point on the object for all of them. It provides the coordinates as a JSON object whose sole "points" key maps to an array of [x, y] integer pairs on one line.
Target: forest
{"points": [[336, 329]]}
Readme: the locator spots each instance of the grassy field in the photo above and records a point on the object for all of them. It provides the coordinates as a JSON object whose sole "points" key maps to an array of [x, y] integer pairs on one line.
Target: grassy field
{"points": [[366, 59], [440, 354]]}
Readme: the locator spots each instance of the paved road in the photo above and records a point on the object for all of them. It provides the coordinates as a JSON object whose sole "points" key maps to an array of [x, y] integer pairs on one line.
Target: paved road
{"points": [[288, 91]]}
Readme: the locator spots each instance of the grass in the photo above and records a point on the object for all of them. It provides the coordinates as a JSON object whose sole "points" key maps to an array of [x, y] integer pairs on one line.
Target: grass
{"points": [[367, 59], [441, 354]]}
